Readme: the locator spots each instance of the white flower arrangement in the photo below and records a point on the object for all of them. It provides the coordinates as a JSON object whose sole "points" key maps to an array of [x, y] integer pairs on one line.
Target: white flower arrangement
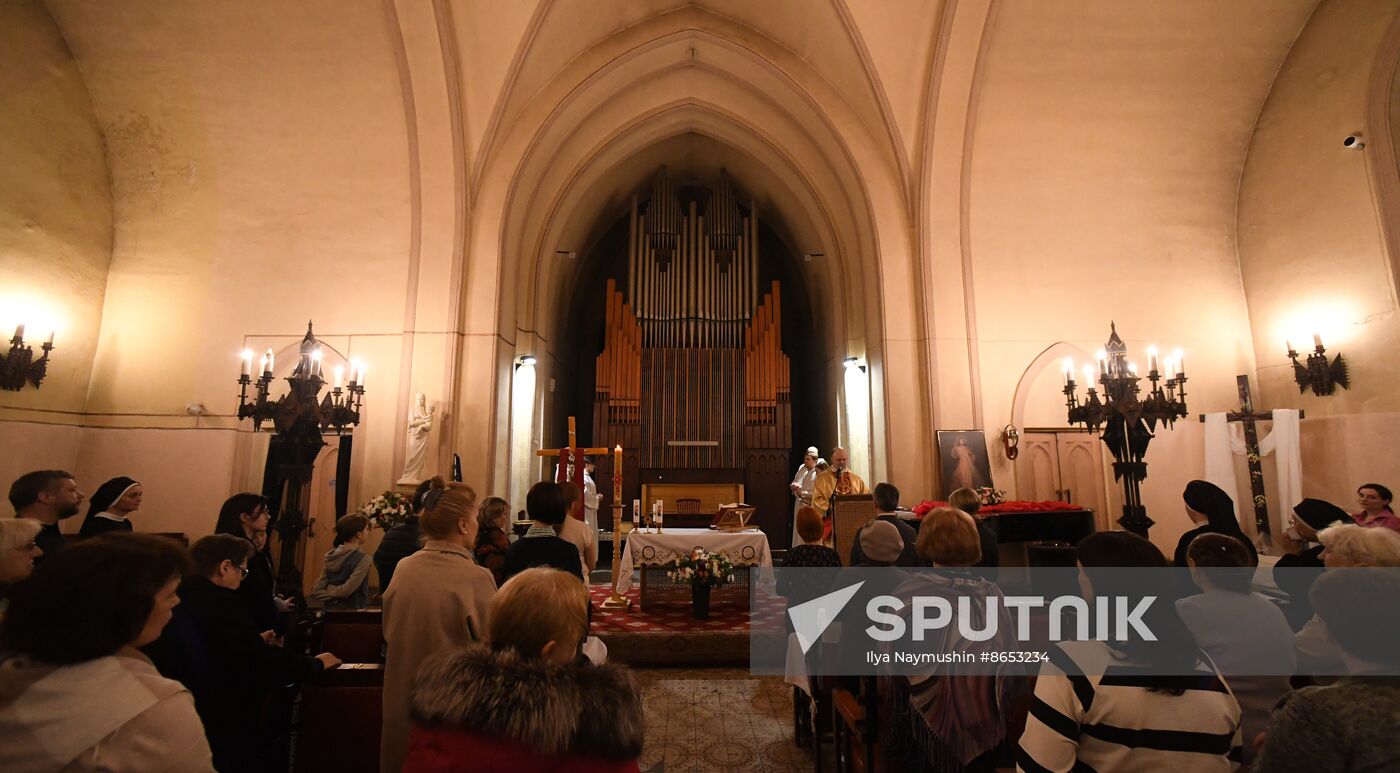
{"points": [[388, 509], [991, 496], [702, 568]]}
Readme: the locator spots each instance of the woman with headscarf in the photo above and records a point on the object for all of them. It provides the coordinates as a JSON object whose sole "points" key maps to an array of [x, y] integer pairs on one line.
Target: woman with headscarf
{"points": [[110, 506], [1214, 513], [1301, 568]]}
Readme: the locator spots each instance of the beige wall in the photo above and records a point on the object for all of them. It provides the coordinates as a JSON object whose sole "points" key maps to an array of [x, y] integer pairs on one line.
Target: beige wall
{"points": [[1312, 252], [55, 210]]}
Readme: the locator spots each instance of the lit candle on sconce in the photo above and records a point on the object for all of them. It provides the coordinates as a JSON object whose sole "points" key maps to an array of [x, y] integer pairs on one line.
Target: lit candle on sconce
{"points": [[19, 332], [247, 358], [1179, 362], [49, 341], [1088, 375], [316, 363], [1132, 368], [1068, 369], [1152, 359], [339, 377], [1289, 344], [1102, 357], [1317, 341], [269, 363]]}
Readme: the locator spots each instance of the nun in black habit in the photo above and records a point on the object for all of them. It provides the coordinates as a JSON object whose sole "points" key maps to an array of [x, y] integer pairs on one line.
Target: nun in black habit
{"points": [[110, 505], [1214, 511]]}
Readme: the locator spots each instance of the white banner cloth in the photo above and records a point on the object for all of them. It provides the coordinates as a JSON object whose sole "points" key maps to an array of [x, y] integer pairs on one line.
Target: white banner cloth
{"points": [[742, 548], [1225, 440]]}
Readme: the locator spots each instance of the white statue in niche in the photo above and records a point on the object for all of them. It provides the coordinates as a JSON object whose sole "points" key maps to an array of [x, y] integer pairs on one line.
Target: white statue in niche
{"points": [[420, 424]]}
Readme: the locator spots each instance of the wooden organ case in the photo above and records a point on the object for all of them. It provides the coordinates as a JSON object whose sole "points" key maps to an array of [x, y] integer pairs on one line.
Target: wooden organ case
{"points": [[692, 376]]}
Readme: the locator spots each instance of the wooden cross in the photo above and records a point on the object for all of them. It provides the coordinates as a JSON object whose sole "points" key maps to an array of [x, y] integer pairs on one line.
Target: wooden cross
{"points": [[573, 455], [1247, 416], [571, 463]]}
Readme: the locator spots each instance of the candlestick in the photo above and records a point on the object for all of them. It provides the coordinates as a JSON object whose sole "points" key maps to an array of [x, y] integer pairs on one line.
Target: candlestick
{"points": [[247, 358], [1317, 341], [617, 473], [49, 340], [1088, 375], [1102, 357], [1152, 359], [269, 363], [339, 376], [19, 332], [1289, 344], [1180, 362]]}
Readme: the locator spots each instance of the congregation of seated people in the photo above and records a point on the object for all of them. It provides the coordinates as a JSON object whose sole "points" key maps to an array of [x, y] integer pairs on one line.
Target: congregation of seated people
{"points": [[122, 650]]}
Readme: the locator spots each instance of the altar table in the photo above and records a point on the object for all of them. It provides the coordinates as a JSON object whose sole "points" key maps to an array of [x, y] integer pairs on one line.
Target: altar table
{"points": [[651, 551]]}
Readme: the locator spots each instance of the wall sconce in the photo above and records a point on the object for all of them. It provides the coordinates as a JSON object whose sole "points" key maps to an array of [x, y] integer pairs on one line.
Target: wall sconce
{"points": [[1011, 441], [854, 362], [1322, 376], [525, 359], [19, 366]]}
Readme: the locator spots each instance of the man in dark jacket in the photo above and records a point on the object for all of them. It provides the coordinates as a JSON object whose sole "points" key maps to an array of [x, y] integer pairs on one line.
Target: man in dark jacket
{"points": [[212, 646], [886, 503], [47, 496], [401, 541]]}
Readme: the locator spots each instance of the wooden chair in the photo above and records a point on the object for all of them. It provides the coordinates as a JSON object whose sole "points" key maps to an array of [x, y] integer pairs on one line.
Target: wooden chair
{"points": [[849, 512], [688, 514], [687, 506], [340, 720]]}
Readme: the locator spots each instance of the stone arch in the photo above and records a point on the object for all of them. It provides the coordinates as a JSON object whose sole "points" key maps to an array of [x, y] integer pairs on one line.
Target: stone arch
{"points": [[546, 175]]}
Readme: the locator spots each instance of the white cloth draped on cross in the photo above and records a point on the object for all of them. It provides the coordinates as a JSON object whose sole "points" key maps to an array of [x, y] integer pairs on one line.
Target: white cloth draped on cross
{"points": [[1225, 440]]}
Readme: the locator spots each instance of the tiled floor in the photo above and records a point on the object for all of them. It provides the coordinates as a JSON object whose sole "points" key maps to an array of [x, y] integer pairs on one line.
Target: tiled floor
{"points": [[717, 719]]}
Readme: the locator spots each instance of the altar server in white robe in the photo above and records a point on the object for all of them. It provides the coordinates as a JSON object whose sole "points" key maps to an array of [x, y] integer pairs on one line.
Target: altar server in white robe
{"points": [[590, 496], [802, 488]]}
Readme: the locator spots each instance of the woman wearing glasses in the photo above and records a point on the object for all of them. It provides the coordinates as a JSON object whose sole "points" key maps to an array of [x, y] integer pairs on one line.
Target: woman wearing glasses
{"points": [[215, 649]]}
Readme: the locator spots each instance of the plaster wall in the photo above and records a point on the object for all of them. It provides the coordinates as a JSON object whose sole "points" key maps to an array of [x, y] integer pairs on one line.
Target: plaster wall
{"points": [[1310, 242], [55, 210], [1312, 252]]}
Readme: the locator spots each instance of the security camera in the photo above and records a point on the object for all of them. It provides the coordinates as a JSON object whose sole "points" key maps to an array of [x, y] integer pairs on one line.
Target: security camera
{"points": [[1353, 142]]}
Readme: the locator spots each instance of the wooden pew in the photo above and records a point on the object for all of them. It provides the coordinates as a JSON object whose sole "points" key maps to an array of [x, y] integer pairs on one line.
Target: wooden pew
{"points": [[353, 635], [339, 723]]}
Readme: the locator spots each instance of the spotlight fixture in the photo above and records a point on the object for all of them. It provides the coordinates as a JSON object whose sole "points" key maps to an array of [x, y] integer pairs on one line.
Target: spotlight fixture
{"points": [[19, 366], [1316, 372], [527, 359], [853, 362]]}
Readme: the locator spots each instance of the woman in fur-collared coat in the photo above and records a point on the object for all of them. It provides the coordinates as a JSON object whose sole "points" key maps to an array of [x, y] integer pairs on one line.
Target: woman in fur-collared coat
{"points": [[526, 702]]}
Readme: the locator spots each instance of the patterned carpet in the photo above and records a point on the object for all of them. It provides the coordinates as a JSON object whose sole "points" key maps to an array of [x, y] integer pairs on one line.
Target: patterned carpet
{"points": [[718, 719]]}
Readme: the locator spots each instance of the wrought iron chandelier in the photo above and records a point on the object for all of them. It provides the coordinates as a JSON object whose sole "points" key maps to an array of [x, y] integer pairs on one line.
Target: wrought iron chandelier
{"points": [[337, 411], [1128, 418]]}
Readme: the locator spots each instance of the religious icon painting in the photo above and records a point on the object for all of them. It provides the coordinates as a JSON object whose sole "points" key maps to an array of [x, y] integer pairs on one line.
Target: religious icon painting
{"points": [[963, 458]]}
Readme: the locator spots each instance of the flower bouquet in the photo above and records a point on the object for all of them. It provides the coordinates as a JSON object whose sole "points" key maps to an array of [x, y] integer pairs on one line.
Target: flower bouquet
{"points": [[387, 510], [991, 496], [703, 570]]}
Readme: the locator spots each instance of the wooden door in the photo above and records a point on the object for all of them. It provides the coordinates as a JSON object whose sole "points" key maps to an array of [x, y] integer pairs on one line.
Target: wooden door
{"points": [[1081, 472], [1038, 467], [320, 533]]}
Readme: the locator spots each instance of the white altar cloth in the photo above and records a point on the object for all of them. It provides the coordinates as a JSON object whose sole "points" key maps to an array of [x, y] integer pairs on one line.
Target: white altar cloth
{"points": [[742, 548]]}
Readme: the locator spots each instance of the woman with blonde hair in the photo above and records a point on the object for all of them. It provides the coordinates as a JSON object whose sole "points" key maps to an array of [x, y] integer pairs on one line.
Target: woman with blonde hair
{"points": [[439, 600], [1344, 546], [527, 701], [17, 553]]}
